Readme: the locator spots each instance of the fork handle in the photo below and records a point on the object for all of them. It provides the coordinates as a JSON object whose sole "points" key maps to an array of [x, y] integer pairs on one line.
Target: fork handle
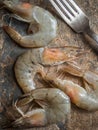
{"points": [[94, 36]]}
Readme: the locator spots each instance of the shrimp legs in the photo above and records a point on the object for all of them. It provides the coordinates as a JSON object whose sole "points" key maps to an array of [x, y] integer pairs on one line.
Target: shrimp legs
{"points": [[89, 77]]}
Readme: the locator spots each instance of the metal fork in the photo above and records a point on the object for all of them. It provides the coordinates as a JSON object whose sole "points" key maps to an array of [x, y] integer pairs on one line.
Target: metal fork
{"points": [[75, 18]]}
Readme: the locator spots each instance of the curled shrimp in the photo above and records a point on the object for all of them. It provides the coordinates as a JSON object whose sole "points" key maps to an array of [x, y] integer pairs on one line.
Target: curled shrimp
{"points": [[81, 97], [86, 96], [46, 24], [33, 61], [54, 107]]}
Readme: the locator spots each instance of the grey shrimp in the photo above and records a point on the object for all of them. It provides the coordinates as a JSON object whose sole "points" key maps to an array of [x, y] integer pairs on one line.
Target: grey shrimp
{"points": [[54, 107], [34, 61], [46, 24], [85, 98]]}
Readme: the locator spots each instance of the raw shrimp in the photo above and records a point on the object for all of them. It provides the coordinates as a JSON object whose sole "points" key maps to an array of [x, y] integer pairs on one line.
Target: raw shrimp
{"points": [[54, 107], [83, 98], [33, 61], [46, 24]]}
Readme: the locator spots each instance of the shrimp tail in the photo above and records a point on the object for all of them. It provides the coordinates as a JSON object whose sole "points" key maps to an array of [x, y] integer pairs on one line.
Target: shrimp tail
{"points": [[13, 34]]}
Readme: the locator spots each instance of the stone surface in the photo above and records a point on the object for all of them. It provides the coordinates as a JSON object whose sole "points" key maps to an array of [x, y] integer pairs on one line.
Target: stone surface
{"points": [[9, 51]]}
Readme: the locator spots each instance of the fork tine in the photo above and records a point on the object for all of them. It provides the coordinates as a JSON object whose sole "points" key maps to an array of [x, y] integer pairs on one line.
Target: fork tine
{"points": [[60, 12], [65, 10], [69, 7], [75, 6]]}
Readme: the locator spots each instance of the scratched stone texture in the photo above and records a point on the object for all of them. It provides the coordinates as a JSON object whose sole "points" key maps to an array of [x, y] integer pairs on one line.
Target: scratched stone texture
{"points": [[9, 51]]}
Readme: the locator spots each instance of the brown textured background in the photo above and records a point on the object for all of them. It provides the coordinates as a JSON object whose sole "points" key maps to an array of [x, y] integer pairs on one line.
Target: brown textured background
{"points": [[9, 50]]}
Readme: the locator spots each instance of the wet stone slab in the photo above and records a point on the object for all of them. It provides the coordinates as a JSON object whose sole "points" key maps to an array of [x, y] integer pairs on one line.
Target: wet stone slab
{"points": [[9, 51]]}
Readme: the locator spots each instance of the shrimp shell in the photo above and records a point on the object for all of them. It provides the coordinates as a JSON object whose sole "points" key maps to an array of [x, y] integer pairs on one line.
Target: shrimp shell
{"points": [[26, 69]]}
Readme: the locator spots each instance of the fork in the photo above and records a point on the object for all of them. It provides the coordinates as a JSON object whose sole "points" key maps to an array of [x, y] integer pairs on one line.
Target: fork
{"points": [[75, 18]]}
